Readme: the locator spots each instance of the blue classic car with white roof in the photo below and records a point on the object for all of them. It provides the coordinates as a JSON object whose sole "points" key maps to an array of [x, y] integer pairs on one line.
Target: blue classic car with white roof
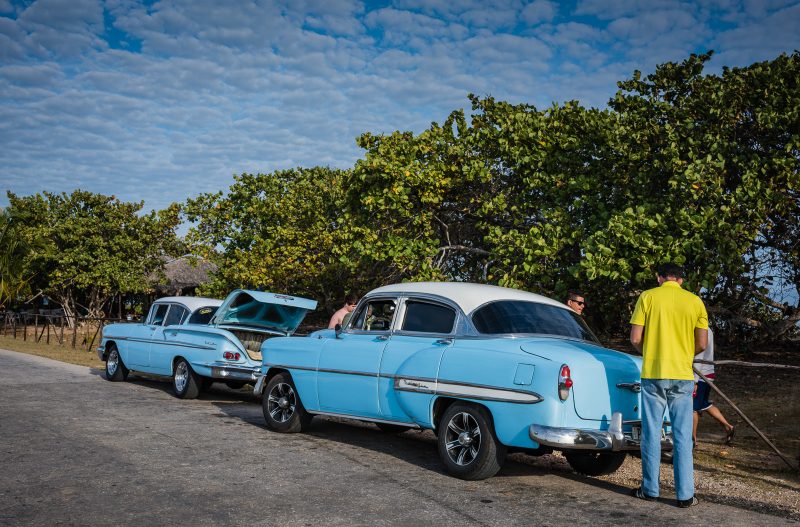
{"points": [[486, 368], [197, 341]]}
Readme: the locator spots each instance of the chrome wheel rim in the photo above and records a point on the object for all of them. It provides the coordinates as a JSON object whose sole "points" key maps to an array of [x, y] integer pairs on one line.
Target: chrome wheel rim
{"points": [[181, 376], [112, 363], [463, 439], [281, 402]]}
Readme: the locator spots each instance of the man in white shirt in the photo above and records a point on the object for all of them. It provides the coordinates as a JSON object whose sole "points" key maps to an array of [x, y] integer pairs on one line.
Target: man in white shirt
{"points": [[701, 402]]}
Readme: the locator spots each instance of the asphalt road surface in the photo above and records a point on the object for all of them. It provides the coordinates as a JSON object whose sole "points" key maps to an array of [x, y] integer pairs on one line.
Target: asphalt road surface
{"points": [[76, 449]]}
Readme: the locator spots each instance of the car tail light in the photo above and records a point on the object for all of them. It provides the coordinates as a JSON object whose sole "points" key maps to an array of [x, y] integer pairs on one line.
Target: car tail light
{"points": [[564, 382], [231, 356]]}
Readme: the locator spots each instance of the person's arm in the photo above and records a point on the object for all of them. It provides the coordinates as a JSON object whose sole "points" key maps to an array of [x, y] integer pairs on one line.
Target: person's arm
{"points": [[700, 340], [637, 336]]}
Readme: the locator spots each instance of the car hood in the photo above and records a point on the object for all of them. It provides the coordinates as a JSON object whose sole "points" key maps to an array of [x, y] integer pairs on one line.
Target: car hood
{"points": [[605, 380], [261, 310]]}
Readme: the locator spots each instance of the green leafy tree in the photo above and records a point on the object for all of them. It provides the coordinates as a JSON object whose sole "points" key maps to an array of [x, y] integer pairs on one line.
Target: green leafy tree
{"points": [[91, 247], [412, 206], [14, 278], [278, 231]]}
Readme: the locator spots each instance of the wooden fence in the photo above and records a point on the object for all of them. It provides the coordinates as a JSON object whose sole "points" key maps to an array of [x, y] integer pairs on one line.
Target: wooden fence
{"points": [[84, 333]]}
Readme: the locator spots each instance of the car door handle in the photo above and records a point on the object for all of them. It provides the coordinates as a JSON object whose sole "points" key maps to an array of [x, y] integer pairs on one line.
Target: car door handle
{"points": [[635, 387], [444, 342], [382, 337]]}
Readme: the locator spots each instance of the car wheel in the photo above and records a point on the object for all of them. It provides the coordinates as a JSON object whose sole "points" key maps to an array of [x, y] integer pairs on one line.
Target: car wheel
{"points": [[115, 368], [388, 428], [185, 381], [283, 410], [468, 446], [592, 463]]}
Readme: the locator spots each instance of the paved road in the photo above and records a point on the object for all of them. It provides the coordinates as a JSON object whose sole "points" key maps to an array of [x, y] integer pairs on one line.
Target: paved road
{"points": [[78, 450]]}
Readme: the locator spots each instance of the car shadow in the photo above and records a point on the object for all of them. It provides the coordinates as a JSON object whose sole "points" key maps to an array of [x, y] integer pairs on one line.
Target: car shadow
{"points": [[217, 392], [418, 447]]}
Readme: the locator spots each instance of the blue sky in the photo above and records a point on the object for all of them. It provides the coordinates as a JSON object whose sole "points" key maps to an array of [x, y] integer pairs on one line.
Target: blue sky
{"points": [[160, 101]]}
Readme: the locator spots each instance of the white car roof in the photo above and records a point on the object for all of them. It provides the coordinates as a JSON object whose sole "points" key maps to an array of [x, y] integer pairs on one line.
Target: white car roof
{"points": [[468, 296], [190, 302]]}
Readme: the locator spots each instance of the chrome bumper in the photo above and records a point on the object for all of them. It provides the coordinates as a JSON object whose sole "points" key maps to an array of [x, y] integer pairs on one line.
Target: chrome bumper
{"points": [[101, 352], [582, 439], [225, 371]]}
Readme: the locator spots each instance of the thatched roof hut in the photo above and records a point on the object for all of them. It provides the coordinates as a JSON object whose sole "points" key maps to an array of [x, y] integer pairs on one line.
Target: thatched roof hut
{"points": [[182, 275]]}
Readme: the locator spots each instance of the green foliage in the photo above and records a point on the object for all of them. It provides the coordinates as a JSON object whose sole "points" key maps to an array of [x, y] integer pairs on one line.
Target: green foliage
{"points": [[278, 231], [89, 246], [14, 277]]}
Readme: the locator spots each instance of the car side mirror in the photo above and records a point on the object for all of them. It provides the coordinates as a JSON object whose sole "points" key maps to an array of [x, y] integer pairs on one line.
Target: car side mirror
{"points": [[338, 329]]}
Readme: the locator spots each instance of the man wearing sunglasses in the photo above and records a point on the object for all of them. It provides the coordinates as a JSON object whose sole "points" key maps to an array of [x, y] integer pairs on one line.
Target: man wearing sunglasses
{"points": [[576, 301]]}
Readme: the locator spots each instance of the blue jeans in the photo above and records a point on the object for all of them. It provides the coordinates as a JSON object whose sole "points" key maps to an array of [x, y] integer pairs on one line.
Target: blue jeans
{"points": [[657, 396]]}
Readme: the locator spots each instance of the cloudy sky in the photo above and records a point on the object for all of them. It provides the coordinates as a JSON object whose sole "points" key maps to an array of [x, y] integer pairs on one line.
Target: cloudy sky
{"points": [[160, 101]]}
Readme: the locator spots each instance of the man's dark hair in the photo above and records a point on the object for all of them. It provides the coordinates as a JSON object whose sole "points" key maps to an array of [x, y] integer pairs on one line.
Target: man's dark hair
{"points": [[670, 269], [574, 295], [351, 298]]}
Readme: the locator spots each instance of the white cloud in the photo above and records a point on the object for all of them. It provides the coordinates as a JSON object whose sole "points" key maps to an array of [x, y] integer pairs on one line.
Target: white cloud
{"points": [[207, 90], [539, 11]]}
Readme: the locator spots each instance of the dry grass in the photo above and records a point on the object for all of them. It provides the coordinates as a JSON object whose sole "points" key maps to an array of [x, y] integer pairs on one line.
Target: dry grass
{"points": [[52, 351]]}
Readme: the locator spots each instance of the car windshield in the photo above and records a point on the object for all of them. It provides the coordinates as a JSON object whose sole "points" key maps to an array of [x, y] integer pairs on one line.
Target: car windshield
{"points": [[202, 315], [517, 316]]}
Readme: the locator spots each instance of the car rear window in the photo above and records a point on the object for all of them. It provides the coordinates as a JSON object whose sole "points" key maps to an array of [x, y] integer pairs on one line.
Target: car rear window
{"points": [[517, 316], [202, 315]]}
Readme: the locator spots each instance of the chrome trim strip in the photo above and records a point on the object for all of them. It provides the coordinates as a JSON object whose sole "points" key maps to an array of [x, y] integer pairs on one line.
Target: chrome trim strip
{"points": [[438, 387], [613, 439], [367, 419], [472, 391], [169, 342], [323, 370]]}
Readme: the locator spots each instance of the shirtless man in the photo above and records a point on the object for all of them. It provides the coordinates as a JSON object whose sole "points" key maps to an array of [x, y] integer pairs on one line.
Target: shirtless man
{"points": [[350, 302]]}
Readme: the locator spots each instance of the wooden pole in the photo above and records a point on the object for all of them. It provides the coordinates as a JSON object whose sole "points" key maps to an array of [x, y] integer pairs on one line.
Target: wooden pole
{"points": [[743, 416]]}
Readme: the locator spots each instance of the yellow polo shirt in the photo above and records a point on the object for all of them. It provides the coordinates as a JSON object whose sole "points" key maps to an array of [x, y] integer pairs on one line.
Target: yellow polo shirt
{"points": [[669, 315]]}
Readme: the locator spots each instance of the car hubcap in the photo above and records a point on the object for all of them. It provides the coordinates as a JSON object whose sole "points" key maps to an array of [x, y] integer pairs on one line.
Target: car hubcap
{"points": [[281, 402], [463, 439], [181, 375], [112, 363]]}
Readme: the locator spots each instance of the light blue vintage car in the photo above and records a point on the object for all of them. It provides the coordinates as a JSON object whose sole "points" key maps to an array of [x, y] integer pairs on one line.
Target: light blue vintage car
{"points": [[197, 341], [486, 368]]}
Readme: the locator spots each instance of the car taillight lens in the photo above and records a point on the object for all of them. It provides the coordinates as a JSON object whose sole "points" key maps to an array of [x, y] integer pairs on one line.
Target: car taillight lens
{"points": [[564, 382], [231, 356]]}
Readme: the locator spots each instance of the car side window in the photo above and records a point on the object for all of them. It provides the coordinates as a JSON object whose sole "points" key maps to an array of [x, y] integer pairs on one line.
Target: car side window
{"points": [[175, 315], [158, 315], [425, 317], [375, 315]]}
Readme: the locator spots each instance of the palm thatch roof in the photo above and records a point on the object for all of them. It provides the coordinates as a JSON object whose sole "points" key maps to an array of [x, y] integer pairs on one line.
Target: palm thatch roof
{"points": [[182, 273]]}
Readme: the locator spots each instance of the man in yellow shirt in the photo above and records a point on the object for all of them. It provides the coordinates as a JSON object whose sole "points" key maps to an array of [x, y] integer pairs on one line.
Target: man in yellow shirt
{"points": [[668, 327]]}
